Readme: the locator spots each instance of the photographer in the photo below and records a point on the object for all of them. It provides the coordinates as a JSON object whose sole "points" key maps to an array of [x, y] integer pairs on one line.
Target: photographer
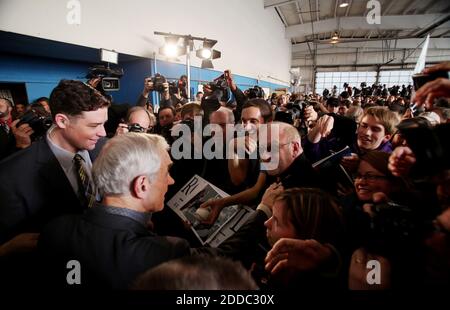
{"points": [[149, 85], [138, 120], [238, 95], [20, 133], [6, 136]]}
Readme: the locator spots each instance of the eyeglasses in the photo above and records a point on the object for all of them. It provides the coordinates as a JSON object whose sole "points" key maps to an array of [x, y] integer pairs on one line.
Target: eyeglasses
{"points": [[370, 177]]}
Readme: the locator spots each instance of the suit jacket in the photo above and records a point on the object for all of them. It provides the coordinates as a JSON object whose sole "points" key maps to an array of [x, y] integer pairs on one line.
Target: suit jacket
{"points": [[112, 249], [33, 190]]}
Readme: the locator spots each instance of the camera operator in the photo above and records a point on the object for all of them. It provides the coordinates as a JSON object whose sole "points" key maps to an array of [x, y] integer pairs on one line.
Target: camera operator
{"points": [[148, 87], [138, 119], [238, 95], [178, 91], [19, 134], [6, 136]]}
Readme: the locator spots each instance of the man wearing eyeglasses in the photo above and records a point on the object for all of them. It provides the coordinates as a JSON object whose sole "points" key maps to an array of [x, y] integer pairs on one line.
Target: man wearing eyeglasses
{"points": [[282, 162], [138, 120], [283, 159]]}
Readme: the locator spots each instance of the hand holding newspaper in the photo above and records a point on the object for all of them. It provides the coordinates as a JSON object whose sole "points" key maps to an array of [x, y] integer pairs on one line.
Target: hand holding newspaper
{"points": [[186, 204]]}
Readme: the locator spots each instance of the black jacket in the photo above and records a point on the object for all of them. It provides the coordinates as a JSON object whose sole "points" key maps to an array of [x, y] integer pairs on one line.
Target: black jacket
{"points": [[112, 249], [34, 189]]}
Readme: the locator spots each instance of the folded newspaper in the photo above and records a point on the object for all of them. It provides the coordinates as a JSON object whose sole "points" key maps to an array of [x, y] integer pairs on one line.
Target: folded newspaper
{"points": [[332, 168], [186, 202]]}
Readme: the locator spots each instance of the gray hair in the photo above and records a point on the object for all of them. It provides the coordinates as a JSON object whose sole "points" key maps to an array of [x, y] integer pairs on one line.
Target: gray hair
{"points": [[125, 157], [290, 132], [228, 112]]}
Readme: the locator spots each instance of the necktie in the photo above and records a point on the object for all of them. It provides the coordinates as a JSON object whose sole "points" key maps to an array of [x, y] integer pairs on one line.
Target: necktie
{"points": [[85, 192]]}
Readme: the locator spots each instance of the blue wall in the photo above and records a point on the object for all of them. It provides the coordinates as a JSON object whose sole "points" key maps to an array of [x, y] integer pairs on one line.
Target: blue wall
{"points": [[41, 75], [132, 83], [200, 76]]}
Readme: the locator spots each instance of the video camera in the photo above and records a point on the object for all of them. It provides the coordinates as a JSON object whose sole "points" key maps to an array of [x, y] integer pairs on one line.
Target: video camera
{"points": [[219, 88], [158, 80], [254, 92], [179, 85], [109, 77], [39, 121], [219, 83]]}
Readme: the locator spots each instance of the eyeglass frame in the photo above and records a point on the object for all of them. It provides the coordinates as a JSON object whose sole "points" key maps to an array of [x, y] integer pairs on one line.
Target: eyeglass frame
{"points": [[370, 177]]}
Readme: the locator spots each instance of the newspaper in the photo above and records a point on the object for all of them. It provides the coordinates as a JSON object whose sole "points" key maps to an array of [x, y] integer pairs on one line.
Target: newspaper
{"points": [[335, 157], [332, 168], [196, 191]]}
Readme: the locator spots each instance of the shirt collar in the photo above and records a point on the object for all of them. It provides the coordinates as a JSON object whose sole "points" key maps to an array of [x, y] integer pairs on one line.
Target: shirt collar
{"points": [[64, 157], [140, 217]]}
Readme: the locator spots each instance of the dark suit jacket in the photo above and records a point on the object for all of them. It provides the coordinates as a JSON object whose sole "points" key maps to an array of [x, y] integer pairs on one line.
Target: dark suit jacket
{"points": [[112, 249], [33, 190]]}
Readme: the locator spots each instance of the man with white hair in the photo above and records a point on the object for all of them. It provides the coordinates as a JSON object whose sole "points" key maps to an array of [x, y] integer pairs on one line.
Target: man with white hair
{"points": [[285, 166], [111, 240]]}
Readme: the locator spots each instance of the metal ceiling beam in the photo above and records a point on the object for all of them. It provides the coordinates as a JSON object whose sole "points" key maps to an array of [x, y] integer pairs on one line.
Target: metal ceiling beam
{"points": [[392, 22], [298, 11], [433, 26], [444, 33], [435, 43], [390, 5], [274, 3], [317, 10], [410, 6], [335, 7], [283, 19], [364, 65], [348, 8]]}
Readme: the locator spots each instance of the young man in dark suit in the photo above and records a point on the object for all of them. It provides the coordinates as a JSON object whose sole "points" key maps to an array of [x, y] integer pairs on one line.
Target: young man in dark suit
{"points": [[43, 181]]}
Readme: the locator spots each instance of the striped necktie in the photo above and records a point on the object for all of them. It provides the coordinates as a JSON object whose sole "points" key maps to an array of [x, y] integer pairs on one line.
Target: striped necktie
{"points": [[85, 192]]}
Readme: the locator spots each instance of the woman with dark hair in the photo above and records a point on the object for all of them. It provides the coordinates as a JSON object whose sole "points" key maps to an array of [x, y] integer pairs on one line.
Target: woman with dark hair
{"points": [[308, 215], [383, 218]]}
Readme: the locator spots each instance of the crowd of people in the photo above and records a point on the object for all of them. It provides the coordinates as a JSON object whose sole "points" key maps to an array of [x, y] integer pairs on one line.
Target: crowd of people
{"points": [[72, 190]]}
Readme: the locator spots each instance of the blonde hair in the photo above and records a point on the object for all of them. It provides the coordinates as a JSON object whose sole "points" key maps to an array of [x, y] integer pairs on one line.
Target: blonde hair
{"points": [[387, 118]]}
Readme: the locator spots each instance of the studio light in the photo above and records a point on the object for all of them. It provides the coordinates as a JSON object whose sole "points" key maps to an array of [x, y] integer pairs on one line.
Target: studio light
{"points": [[207, 54], [173, 49]]}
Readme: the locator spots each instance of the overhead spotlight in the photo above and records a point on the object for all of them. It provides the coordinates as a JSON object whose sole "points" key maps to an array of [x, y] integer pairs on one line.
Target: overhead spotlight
{"points": [[171, 49], [343, 4], [335, 37], [207, 54]]}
